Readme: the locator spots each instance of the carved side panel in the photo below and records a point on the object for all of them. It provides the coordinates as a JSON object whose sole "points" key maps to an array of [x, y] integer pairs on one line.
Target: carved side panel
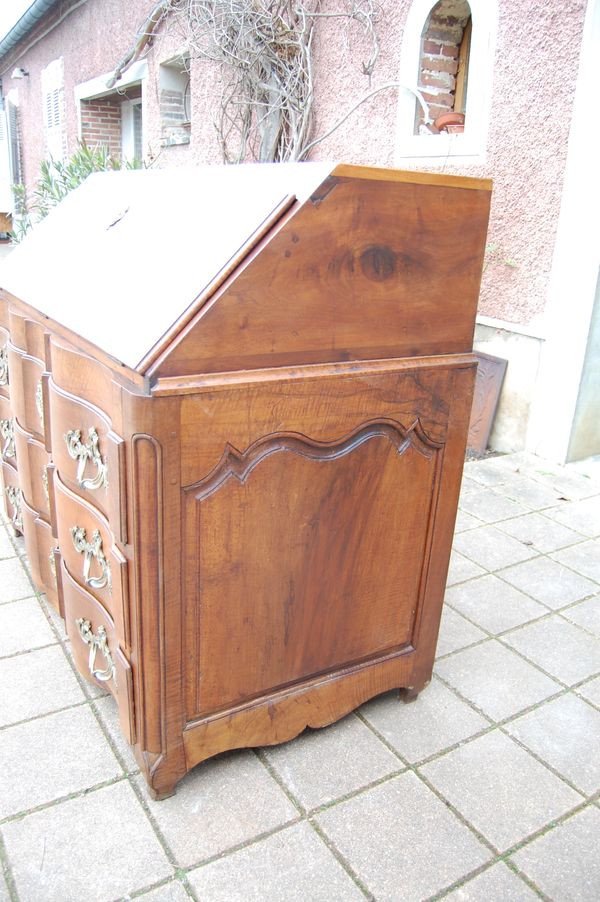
{"points": [[303, 558]]}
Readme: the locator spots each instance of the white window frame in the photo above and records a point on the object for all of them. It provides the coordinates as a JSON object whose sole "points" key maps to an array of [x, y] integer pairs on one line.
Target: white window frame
{"points": [[470, 146], [97, 87], [127, 129], [10, 164], [6, 181]]}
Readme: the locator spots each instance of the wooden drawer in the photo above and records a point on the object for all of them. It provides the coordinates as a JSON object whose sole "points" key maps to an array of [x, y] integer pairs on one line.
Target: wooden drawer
{"points": [[7, 432], [82, 376], [27, 334], [89, 456], [41, 548], [96, 650], [12, 496], [90, 555], [26, 391], [33, 460], [4, 381], [3, 311]]}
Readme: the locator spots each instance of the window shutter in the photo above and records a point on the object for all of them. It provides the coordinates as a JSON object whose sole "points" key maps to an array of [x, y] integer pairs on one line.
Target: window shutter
{"points": [[5, 179], [53, 94], [14, 144]]}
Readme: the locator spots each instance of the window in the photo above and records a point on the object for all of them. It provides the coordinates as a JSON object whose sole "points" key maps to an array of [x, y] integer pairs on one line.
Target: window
{"points": [[6, 203], [53, 98], [443, 66], [446, 67], [132, 132], [112, 117], [174, 87], [10, 159]]}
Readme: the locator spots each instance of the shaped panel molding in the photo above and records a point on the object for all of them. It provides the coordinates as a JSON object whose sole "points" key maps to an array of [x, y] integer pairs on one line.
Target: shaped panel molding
{"points": [[311, 559]]}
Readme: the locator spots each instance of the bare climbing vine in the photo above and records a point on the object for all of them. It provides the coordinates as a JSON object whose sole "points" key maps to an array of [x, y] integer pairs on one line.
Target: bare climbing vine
{"points": [[265, 50]]}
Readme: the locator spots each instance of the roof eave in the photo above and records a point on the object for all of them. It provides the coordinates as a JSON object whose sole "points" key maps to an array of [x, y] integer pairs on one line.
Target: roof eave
{"points": [[25, 24]]}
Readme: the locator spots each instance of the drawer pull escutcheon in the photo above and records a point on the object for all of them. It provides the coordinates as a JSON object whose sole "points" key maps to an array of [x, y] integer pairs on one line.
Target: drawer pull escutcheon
{"points": [[14, 496], [91, 551], [97, 643], [82, 452], [3, 366], [39, 402], [7, 433]]}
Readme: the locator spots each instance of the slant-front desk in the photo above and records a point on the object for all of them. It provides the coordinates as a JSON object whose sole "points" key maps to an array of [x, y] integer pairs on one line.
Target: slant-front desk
{"points": [[234, 406]]}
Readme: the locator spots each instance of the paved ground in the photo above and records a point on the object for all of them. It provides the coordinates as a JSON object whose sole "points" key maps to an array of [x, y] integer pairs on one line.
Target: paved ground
{"points": [[486, 788]]}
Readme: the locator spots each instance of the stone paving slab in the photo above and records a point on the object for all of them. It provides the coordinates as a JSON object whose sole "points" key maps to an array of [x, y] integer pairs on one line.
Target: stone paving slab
{"points": [[435, 721], [173, 891], [540, 532], [323, 765], [583, 516], [456, 632], [490, 506], [500, 789], [565, 732], [586, 614], [492, 605], [7, 549], [560, 648], [66, 752], [402, 841], [591, 691], [491, 549], [23, 627], [497, 883], [14, 581], [585, 558], [95, 847], [495, 680], [549, 582], [36, 683], [293, 865], [227, 802], [564, 862], [484, 788]]}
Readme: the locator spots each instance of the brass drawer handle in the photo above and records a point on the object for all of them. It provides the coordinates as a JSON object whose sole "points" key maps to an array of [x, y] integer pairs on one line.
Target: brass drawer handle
{"points": [[39, 402], [7, 433], [3, 366], [97, 643], [82, 452], [14, 496], [91, 551]]}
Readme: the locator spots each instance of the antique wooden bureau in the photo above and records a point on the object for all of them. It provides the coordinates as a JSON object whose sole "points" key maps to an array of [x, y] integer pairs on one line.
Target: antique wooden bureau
{"points": [[233, 413]]}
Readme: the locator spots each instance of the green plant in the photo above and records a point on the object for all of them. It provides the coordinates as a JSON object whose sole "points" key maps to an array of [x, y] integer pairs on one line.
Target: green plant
{"points": [[21, 219], [56, 180]]}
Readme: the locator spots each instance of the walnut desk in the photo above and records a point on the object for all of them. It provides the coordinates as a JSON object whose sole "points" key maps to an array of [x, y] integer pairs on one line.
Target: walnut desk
{"points": [[234, 445]]}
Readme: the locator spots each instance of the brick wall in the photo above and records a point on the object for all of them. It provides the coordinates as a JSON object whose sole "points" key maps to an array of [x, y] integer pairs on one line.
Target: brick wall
{"points": [[440, 46], [172, 107], [101, 124], [174, 118]]}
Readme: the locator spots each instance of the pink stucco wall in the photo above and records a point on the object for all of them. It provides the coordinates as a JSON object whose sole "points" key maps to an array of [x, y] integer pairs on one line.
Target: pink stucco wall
{"points": [[90, 45], [535, 69], [536, 65]]}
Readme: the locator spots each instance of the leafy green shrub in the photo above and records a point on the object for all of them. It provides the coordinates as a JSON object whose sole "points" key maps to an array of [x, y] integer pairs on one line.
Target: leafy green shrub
{"points": [[56, 180]]}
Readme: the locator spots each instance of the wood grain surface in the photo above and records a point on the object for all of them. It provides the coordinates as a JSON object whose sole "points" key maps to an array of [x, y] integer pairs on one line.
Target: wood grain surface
{"points": [[283, 476]]}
